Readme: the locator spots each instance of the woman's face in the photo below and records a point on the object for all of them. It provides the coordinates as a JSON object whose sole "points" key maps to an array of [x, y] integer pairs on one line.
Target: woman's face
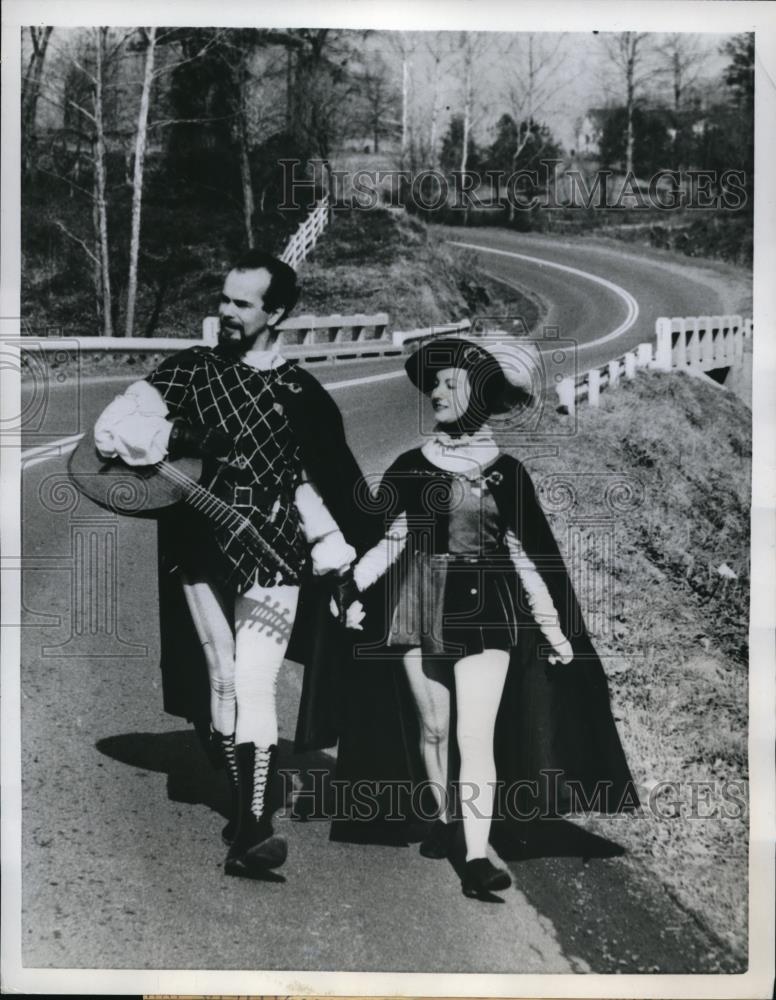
{"points": [[450, 395]]}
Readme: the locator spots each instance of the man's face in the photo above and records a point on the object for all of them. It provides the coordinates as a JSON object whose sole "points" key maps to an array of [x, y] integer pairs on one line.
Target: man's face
{"points": [[241, 308]]}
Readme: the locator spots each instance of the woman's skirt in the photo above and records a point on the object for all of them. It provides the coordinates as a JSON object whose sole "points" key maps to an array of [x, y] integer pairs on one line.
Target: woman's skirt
{"points": [[453, 606]]}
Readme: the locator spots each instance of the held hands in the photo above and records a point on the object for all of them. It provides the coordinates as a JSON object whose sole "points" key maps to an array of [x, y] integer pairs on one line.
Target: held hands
{"points": [[345, 604], [561, 647], [563, 652]]}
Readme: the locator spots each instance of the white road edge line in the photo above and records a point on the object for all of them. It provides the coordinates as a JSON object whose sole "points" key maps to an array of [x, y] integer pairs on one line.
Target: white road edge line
{"points": [[63, 446], [630, 301]]}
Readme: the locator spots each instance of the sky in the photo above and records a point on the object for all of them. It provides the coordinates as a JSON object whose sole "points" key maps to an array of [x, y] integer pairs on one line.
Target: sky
{"points": [[579, 77]]}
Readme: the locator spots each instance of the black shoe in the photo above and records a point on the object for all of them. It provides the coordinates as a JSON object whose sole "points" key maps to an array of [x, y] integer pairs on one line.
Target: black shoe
{"points": [[255, 849], [256, 852], [438, 842], [480, 877]]}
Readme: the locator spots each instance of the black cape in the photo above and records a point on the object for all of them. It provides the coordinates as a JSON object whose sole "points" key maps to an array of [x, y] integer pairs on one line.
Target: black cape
{"points": [[557, 747], [336, 696]]}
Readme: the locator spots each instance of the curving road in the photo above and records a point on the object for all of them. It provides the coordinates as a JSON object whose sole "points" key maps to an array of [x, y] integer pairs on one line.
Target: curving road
{"points": [[605, 299], [121, 853]]}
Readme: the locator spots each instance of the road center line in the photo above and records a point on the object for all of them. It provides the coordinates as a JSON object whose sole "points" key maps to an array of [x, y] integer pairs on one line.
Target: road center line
{"points": [[630, 302], [63, 446]]}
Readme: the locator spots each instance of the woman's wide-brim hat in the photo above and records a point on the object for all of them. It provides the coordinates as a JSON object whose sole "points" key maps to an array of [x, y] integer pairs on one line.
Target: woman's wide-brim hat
{"points": [[502, 374]]}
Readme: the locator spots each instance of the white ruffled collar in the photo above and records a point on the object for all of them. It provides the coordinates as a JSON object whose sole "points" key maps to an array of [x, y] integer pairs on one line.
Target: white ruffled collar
{"points": [[263, 360], [468, 454]]}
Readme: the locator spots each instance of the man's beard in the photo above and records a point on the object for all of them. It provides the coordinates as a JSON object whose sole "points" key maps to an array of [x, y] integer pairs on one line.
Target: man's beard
{"points": [[235, 344]]}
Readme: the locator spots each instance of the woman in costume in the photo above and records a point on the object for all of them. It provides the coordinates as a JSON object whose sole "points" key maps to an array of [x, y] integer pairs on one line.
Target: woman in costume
{"points": [[484, 615]]}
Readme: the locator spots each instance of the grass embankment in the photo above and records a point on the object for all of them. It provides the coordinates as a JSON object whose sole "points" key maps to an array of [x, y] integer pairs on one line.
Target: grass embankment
{"points": [[381, 261], [364, 263], [675, 454]]}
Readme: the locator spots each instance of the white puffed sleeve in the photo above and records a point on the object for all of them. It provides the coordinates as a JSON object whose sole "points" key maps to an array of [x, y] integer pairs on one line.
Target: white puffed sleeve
{"points": [[542, 607], [134, 427], [377, 561], [330, 552]]}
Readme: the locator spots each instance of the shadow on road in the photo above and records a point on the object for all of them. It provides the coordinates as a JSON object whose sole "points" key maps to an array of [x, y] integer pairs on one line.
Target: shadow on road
{"points": [[192, 777]]}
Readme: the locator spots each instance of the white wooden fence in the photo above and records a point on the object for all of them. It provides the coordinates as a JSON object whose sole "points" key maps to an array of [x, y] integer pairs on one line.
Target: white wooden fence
{"points": [[306, 236], [308, 338], [691, 343]]}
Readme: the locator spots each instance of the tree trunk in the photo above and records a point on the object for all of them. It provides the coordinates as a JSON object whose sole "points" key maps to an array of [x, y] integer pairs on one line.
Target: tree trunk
{"points": [[31, 92], [434, 113], [249, 202], [137, 183], [467, 110], [102, 205], [677, 81], [404, 100], [631, 43]]}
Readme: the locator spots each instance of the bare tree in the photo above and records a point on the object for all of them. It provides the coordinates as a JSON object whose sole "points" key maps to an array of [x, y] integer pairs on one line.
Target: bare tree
{"points": [[149, 35], [380, 99], [39, 40], [681, 57], [534, 82], [627, 52], [324, 92], [100, 191], [404, 44], [438, 48], [473, 47]]}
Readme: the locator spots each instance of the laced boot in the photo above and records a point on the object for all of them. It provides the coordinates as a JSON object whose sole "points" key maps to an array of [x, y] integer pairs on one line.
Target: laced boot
{"points": [[255, 850], [225, 750]]}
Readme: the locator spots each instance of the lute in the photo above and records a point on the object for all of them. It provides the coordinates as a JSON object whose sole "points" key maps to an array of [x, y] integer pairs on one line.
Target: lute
{"points": [[139, 490]]}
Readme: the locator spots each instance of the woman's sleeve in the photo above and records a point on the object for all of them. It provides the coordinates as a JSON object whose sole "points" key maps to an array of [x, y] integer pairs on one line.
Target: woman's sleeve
{"points": [[539, 599], [134, 427], [390, 501], [379, 559]]}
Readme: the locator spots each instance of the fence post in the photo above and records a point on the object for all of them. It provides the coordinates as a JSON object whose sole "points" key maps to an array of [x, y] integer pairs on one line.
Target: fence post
{"points": [[210, 327], [694, 346], [680, 328], [643, 355], [614, 372], [593, 386], [630, 365], [663, 347], [567, 397]]}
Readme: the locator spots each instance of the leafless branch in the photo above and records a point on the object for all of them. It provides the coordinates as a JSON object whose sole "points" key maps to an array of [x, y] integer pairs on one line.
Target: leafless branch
{"points": [[82, 111], [164, 122], [77, 239]]}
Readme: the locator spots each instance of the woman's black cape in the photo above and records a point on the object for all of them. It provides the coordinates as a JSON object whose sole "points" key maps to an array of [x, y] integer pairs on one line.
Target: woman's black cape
{"points": [[556, 745]]}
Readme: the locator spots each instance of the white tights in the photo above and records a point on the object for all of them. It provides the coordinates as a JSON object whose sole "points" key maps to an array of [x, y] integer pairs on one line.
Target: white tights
{"points": [[243, 666], [479, 683]]}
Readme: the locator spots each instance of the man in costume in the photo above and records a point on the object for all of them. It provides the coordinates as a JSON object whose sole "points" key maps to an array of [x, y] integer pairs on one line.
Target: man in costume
{"points": [[274, 451]]}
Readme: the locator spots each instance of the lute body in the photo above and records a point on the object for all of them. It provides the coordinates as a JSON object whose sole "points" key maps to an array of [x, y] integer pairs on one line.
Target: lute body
{"points": [[139, 490]]}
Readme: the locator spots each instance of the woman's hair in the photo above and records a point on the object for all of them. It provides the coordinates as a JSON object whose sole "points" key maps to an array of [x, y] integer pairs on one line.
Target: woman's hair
{"points": [[486, 377], [283, 291]]}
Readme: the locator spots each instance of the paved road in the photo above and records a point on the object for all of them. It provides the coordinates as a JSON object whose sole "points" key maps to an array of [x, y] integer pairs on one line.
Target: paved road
{"points": [[121, 852]]}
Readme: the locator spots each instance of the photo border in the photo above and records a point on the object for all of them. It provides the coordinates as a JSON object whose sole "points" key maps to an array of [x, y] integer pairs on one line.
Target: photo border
{"points": [[688, 15]]}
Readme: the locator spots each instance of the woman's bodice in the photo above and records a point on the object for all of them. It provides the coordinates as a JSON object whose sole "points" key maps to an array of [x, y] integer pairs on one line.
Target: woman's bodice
{"points": [[474, 526]]}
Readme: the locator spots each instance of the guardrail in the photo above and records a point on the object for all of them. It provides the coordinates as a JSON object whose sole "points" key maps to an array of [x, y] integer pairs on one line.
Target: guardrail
{"points": [[334, 329], [308, 338], [307, 233], [692, 343]]}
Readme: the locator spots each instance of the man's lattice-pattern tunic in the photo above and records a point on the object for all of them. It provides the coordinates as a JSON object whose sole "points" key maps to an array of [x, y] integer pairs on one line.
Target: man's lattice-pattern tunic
{"points": [[263, 467]]}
